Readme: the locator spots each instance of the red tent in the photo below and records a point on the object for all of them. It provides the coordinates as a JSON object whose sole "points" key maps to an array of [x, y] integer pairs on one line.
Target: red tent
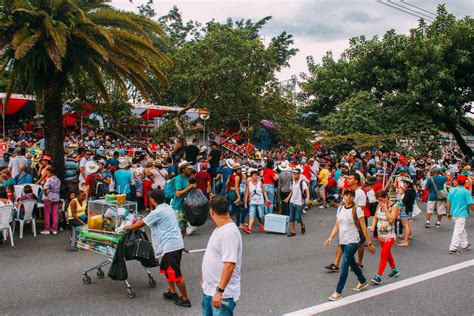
{"points": [[150, 114], [16, 102]]}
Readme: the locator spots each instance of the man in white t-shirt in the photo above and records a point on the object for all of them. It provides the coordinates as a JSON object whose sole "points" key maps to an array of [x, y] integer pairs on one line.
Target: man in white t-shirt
{"points": [[299, 188], [16, 162], [82, 168], [221, 263]]}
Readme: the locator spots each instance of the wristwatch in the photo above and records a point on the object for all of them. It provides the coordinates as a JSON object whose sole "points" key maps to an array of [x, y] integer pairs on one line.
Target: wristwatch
{"points": [[218, 289], [370, 244]]}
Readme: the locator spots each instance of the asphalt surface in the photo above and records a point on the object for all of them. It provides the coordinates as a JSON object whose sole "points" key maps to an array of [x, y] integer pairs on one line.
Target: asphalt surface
{"points": [[41, 276]]}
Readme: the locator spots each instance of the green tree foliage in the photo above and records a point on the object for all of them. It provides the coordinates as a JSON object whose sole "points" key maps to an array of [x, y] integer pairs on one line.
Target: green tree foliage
{"points": [[233, 68], [423, 81], [50, 46]]}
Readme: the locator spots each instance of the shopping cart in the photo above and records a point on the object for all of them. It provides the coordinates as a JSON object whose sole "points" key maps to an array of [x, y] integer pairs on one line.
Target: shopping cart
{"points": [[99, 236]]}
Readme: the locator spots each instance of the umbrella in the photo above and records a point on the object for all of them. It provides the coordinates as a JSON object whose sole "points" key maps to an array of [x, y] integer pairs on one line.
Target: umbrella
{"points": [[267, 124]]}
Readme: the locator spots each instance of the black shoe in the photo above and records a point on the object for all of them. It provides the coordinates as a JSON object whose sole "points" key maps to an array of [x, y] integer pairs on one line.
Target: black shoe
{"points": [[427, 225], [170, 296], [183, 303], [361, 267], [303, 229], [291, 235], [454, 252], [332, 267]]}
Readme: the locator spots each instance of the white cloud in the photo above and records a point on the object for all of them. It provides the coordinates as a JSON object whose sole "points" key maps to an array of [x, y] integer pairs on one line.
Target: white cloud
{"points": [[318, 26]]}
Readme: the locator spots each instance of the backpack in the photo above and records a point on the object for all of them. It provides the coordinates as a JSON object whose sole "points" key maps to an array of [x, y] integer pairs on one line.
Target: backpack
{"points": [[98, 188], [369, 209], [170, 188]]}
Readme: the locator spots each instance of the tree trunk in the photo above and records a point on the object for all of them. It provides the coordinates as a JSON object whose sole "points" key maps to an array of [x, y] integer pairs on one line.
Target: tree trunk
{"points": [[53, 123], [189, 105], [467, 151]]}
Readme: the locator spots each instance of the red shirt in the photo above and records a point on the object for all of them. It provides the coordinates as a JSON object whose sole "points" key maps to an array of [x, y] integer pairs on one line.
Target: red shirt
{"points": [[202, 178], [378, 186], [307, 172], [331, 183], [268, 175]]}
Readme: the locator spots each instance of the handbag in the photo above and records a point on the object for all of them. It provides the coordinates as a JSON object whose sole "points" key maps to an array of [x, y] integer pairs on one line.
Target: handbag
{"points": [[442, 195]]}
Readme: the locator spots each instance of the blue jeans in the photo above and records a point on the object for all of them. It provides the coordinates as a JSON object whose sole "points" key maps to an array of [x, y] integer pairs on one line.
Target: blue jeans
{"points": [[270, 188], [348, 252], [312, 189], [227, 307], [295, 213], [234, 208]]}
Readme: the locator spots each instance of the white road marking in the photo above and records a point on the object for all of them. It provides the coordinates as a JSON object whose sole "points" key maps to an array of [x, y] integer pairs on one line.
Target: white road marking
{"points": [[197, 250], [380, 290]]}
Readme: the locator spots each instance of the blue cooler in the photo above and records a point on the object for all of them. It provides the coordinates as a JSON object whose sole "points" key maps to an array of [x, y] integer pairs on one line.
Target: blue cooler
{"points": [[275, 223]]}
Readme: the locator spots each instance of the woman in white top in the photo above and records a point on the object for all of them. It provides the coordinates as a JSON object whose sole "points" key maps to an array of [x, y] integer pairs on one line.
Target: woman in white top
{"points": [[255, 197], [350, 223], [384, 221]]}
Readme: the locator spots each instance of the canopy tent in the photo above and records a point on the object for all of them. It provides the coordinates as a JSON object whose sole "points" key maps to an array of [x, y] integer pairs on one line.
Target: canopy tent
{"points": [[15, 104], [150, 111]]}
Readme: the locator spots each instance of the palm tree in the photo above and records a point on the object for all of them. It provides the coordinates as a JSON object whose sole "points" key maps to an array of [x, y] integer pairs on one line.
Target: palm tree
{"points": [[48, 46]]}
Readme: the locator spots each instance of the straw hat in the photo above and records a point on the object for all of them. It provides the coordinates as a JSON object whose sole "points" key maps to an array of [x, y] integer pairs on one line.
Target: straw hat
{"points": [[123, 163], [158, 162], [229, 162], [149, 162], [91, 167], [284, 166]]}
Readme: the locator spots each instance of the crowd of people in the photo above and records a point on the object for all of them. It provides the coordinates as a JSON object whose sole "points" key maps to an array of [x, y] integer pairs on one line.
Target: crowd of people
{"points": [[375, 194]]}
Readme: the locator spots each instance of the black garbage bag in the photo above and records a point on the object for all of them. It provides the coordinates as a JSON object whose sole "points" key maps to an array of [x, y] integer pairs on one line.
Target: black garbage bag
{"points": [[196, 207], [118, 267], [138, 247]]}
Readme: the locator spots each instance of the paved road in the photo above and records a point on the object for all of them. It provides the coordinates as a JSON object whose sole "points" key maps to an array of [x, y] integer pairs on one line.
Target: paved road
{"points": [[40, 276]]}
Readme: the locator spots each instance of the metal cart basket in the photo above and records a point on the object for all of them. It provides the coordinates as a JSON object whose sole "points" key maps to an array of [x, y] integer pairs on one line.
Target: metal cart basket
{"points": [[99, 236]]}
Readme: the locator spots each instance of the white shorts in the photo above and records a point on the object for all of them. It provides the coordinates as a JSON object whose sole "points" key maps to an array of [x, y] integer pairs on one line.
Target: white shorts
{"points": [[438, 206]]}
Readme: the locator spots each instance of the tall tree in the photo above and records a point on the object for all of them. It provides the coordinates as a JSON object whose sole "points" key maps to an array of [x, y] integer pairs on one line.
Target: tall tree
{"points": [[49, 46], [226, 66], [426, 77]]}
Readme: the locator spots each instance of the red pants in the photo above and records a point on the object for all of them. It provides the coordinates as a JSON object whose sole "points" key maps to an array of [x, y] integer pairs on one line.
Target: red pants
{"points": [[386, 255], [146, 188]]}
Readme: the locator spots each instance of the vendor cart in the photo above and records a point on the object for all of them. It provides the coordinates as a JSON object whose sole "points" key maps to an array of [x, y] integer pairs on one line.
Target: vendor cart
{"points": [[99, 236]]}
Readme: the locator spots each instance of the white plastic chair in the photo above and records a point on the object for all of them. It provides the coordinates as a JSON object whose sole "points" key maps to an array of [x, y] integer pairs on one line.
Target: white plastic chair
{"points": [[5, 217], [19, 190], [38, 191], [28, 207]]}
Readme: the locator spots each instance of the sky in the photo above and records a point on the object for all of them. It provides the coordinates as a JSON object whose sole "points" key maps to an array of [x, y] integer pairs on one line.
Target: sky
{"points": [[318, 26]]}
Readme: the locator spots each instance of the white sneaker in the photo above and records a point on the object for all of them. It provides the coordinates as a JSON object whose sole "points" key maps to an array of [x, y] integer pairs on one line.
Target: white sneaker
{"points": [[322, 206], [55, 233], [44, 232], [190, 230]]}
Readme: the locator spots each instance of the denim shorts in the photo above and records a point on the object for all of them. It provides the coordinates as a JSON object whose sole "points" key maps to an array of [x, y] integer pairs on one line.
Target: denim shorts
{"points": [[296, 212], [404, 215], [255, 209]]}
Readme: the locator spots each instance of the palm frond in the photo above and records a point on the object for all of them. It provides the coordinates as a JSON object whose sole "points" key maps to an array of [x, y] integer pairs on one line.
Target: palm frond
{"points": [[58, 33], [54, 54], [91, 43], [26, 44]]}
